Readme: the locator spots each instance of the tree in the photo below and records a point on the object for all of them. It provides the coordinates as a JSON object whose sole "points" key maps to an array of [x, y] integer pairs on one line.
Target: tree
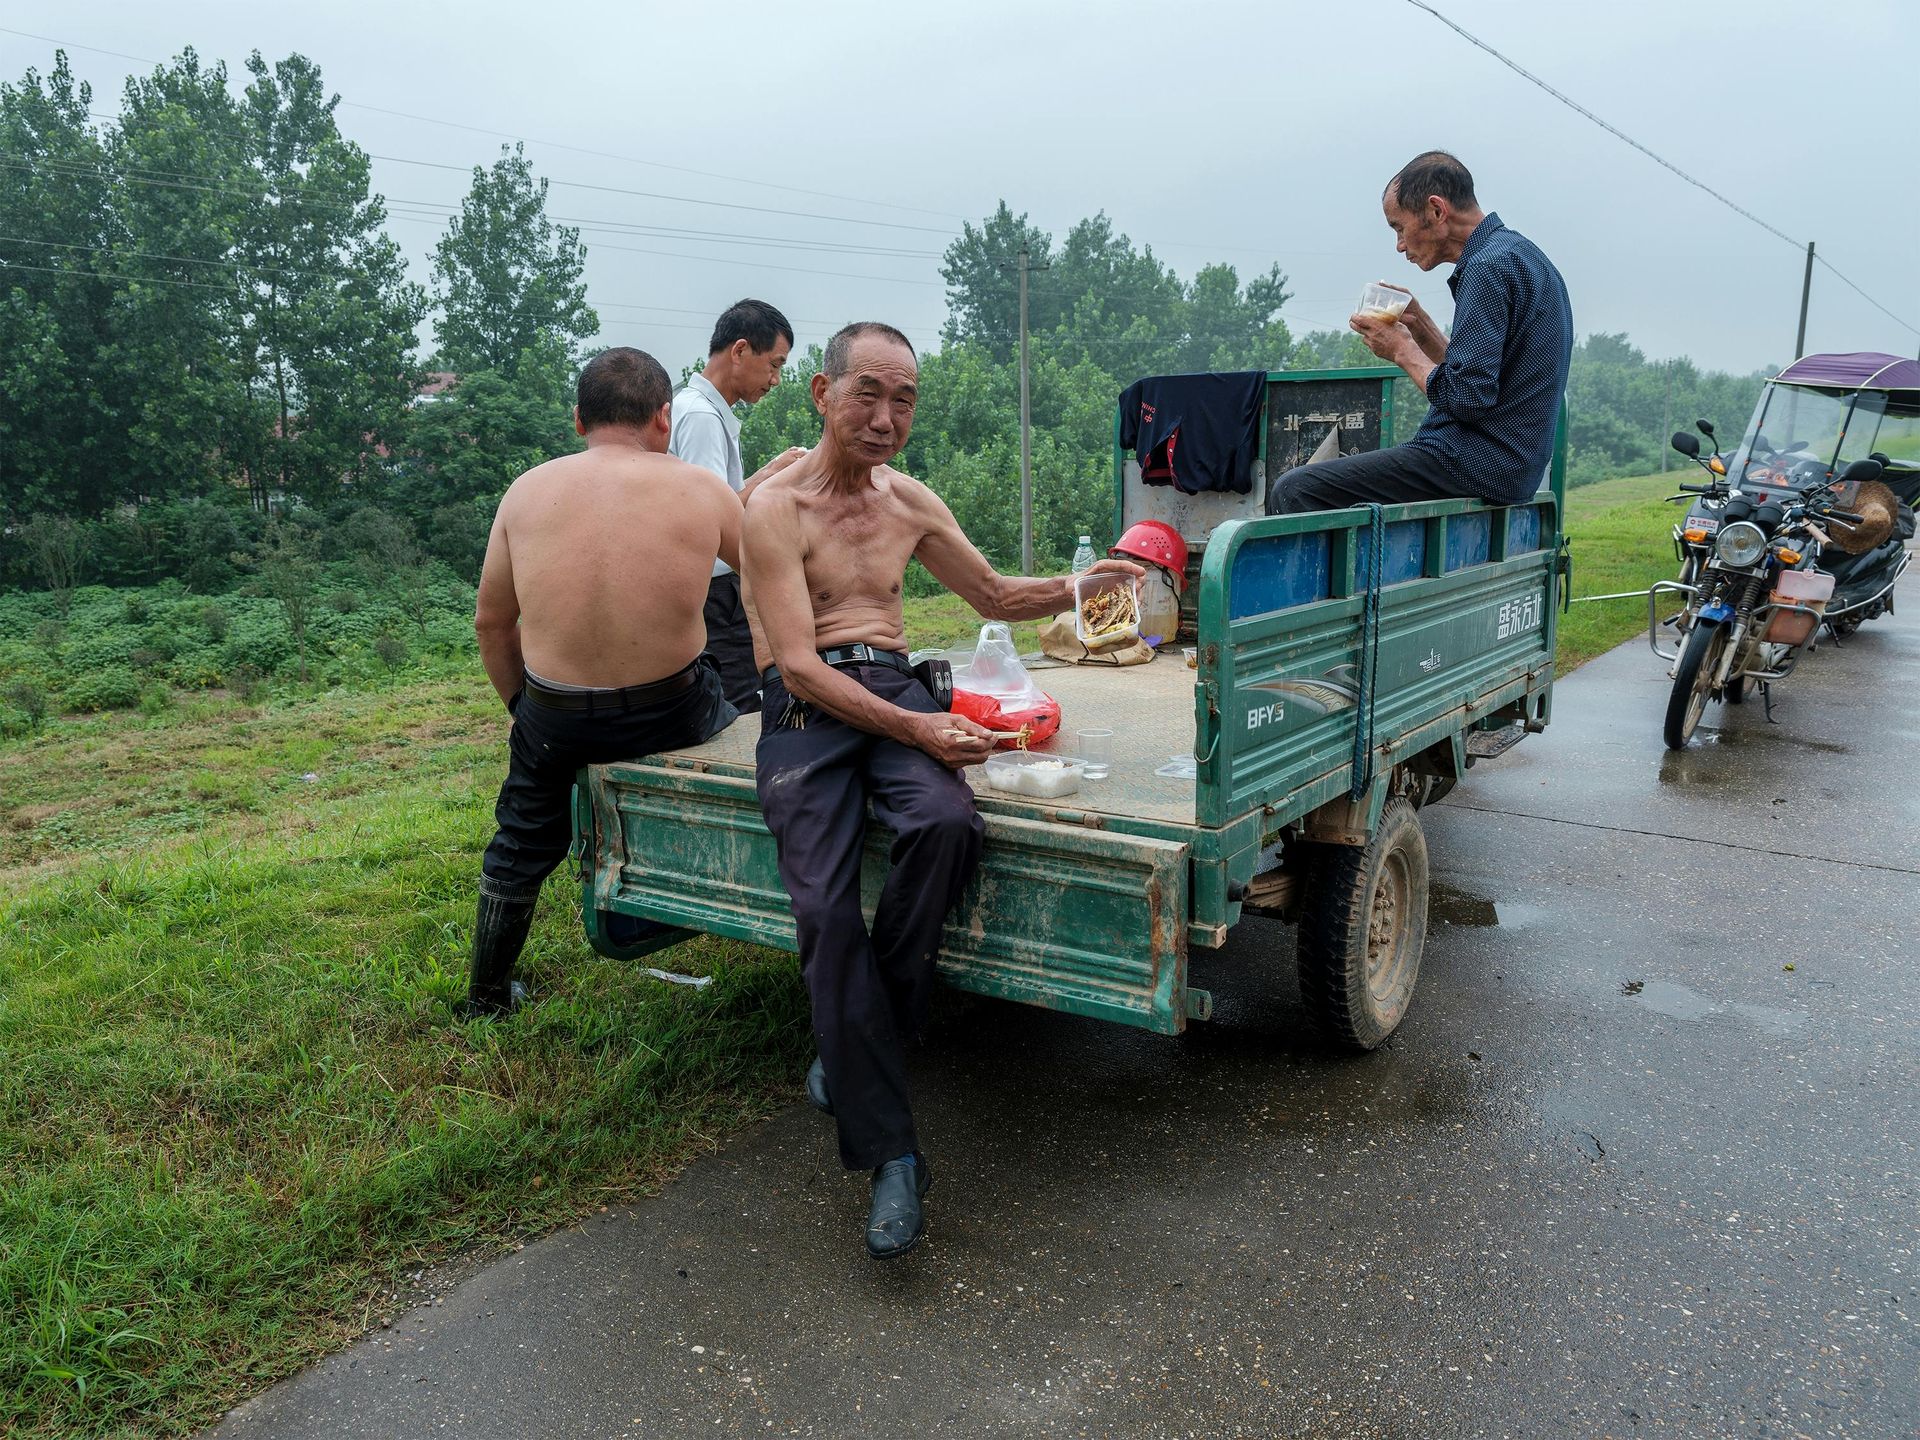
{"points": [[391, 560], [507, 280], [472, 441], [56, 441], [332, 316], [174, 365], [57, 549], [288, 573]]}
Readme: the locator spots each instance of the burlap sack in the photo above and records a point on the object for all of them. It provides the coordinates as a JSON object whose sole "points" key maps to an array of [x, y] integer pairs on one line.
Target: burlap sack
{"points": [[1060, 641], [1877, 507]]}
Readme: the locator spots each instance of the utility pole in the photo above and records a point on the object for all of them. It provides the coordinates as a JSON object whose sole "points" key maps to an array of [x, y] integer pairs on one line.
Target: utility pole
{"points": [[1806, 290], [1026, 430], [1667, 428], [1026, 419]]}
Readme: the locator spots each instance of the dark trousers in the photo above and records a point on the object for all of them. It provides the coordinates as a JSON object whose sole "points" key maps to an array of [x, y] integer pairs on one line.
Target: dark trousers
{"points": [[731, 643], [869, 992], [547, 747], [1386, 477]]}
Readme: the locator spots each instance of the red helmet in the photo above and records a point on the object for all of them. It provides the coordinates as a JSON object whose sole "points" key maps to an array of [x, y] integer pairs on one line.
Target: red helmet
{"points": [[1157, 542]]}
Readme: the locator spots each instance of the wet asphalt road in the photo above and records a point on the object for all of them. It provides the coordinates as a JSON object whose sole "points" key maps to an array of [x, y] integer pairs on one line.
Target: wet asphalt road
{"points": [[1641, 1162]]}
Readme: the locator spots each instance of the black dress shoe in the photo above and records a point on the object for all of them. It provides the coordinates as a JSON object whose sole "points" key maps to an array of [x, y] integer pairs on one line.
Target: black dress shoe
{"points": [[817, 1087], [896, 1222]]}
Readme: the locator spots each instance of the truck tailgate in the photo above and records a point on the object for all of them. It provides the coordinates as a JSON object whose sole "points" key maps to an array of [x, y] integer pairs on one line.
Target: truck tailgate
{"points": [[1084, 920]]}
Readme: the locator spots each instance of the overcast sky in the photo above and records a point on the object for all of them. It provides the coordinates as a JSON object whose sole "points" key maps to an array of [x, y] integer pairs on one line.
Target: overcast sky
{"points": [[1245, 132]]}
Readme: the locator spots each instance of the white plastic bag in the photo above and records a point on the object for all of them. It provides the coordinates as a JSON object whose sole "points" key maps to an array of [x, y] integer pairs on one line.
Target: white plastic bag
{"points": [[996, 671]]}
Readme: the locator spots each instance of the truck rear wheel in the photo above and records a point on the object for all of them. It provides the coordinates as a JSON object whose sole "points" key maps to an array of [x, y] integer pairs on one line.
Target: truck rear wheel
{"points": [[1362, 930]]}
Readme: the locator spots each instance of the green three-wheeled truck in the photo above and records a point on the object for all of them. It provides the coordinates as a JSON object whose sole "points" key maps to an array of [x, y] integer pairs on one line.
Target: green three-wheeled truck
{"points": [[1352, 664]]}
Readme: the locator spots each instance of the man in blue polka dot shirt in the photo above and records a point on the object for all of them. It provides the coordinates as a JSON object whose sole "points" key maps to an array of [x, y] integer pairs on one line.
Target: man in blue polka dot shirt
{"points": [[1493, 387]]}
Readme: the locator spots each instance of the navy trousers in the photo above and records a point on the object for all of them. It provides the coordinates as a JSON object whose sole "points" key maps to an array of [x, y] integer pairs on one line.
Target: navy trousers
{"points": [[1387, 477], [869, 991]]}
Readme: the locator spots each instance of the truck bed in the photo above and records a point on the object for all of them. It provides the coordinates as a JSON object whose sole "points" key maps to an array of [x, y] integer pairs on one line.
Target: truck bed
{"points": [[1148, 707]]}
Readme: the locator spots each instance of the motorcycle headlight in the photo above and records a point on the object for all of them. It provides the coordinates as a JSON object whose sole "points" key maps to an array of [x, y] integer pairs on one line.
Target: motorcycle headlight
{"points": [[1740, 544]]}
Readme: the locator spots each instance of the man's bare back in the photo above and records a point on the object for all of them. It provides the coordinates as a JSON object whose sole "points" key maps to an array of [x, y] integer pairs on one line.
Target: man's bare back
{"points": [[605, 556]]}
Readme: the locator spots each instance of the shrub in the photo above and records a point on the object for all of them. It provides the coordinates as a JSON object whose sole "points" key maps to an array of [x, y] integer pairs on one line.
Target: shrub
{"points": [[50, 634], [246, 682], [156, 700], [391, 649], [195, 671], [344, 601], [111, 687], [28, 699], [215, 621], [136, 610]]}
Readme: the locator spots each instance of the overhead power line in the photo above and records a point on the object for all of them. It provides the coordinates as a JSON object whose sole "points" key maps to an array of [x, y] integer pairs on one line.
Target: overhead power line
{"points": [[550, 144], [1659, 160]]}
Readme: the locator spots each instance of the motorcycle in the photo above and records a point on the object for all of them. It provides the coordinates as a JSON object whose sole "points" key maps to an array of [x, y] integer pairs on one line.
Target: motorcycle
{"points": [[1759, 597], [1858, 407]]}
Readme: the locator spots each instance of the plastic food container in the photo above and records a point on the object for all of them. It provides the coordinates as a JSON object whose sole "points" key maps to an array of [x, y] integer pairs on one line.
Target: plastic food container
{"points": [[1088, 585], [1812, 588], [1384, 302], [1029, 772]]}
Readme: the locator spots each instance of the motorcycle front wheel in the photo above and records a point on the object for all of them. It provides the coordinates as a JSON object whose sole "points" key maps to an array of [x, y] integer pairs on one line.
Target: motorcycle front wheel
{"points": [[1693, 683]]}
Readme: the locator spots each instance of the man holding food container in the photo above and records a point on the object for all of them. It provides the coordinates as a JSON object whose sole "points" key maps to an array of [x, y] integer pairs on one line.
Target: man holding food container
{"points": [[848, 721], [1493, 387]]}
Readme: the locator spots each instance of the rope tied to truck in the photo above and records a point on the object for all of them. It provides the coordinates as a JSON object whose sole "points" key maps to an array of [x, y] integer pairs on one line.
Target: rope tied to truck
{"points": [[1368, 670]]}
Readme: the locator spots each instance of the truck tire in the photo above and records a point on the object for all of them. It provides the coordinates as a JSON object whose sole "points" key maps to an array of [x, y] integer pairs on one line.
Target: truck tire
{"points": [[1363, 927], [1693, 683]]}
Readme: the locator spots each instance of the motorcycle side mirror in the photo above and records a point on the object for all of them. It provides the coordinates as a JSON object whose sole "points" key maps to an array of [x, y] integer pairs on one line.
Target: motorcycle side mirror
{"points": [[1705, 427], [1883, 461], [1686, 444], [1795, 448], [1860, 472]]}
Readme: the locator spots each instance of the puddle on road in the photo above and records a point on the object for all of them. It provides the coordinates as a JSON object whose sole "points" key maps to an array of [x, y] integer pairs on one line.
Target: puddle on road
{"points": [[1777, 734], [1452, 906], [1677, 1002]]}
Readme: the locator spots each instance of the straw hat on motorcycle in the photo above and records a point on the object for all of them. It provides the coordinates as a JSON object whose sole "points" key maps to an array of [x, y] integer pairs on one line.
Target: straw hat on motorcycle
{"points": [[1876, 506]]}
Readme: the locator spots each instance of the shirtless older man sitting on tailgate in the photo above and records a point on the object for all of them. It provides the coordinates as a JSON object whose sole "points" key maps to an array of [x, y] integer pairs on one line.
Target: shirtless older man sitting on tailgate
{"points": [[844, 721], [591, 628]]}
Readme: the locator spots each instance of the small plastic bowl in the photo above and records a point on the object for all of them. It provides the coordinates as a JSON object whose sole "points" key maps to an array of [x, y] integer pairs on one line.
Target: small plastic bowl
{"points": [[1029, 772], [1384, 302], [1087, 585]]}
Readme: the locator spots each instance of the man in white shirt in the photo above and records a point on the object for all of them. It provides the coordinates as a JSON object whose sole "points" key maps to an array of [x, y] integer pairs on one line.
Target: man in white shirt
{"points": [[744, 359]]}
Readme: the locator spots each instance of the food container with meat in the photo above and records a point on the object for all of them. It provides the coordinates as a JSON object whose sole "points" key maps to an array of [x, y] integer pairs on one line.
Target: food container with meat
{"points": [[1106, 609]]}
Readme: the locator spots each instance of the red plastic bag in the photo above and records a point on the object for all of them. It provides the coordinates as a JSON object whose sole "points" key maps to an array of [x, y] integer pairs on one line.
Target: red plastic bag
{"points": [[1044, 717]]}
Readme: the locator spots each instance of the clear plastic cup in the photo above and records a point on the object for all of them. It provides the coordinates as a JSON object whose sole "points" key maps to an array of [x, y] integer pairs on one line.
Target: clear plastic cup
{"points": [[1384, 302], [1096, 750]]}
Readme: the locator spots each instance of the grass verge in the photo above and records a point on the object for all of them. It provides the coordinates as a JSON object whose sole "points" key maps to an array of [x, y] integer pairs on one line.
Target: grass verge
{"points": [[1621, 534], [232, 1109]]}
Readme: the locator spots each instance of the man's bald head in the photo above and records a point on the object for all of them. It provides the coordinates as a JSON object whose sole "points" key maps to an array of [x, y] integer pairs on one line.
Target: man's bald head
{"points": [[839, 355], [865, 393]]}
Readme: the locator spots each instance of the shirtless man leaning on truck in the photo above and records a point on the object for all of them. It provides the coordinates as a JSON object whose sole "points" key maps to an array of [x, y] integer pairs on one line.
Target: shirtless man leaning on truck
{"points": [[844, 721], [590, 625]]}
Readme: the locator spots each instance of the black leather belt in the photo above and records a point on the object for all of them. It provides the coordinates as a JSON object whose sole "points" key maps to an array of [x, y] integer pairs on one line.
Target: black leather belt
{"points": [[629, 697], [842, 655]]}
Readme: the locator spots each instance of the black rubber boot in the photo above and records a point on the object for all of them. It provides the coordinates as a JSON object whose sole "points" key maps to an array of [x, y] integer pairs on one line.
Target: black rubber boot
{"points": [[499, 931], [817, 1087]]}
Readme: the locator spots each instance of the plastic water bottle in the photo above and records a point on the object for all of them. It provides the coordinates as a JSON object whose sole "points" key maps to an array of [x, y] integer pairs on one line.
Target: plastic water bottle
{"points": [[1084, 557]]}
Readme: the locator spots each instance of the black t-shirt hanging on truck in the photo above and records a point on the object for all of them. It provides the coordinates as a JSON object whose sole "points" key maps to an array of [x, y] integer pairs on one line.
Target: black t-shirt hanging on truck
{"points": [[1195, 432]]}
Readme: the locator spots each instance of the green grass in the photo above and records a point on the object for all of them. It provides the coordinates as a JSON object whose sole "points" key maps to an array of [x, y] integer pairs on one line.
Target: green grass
{"points": [[233, 1112], [232, 1109], [1622, 539]]}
